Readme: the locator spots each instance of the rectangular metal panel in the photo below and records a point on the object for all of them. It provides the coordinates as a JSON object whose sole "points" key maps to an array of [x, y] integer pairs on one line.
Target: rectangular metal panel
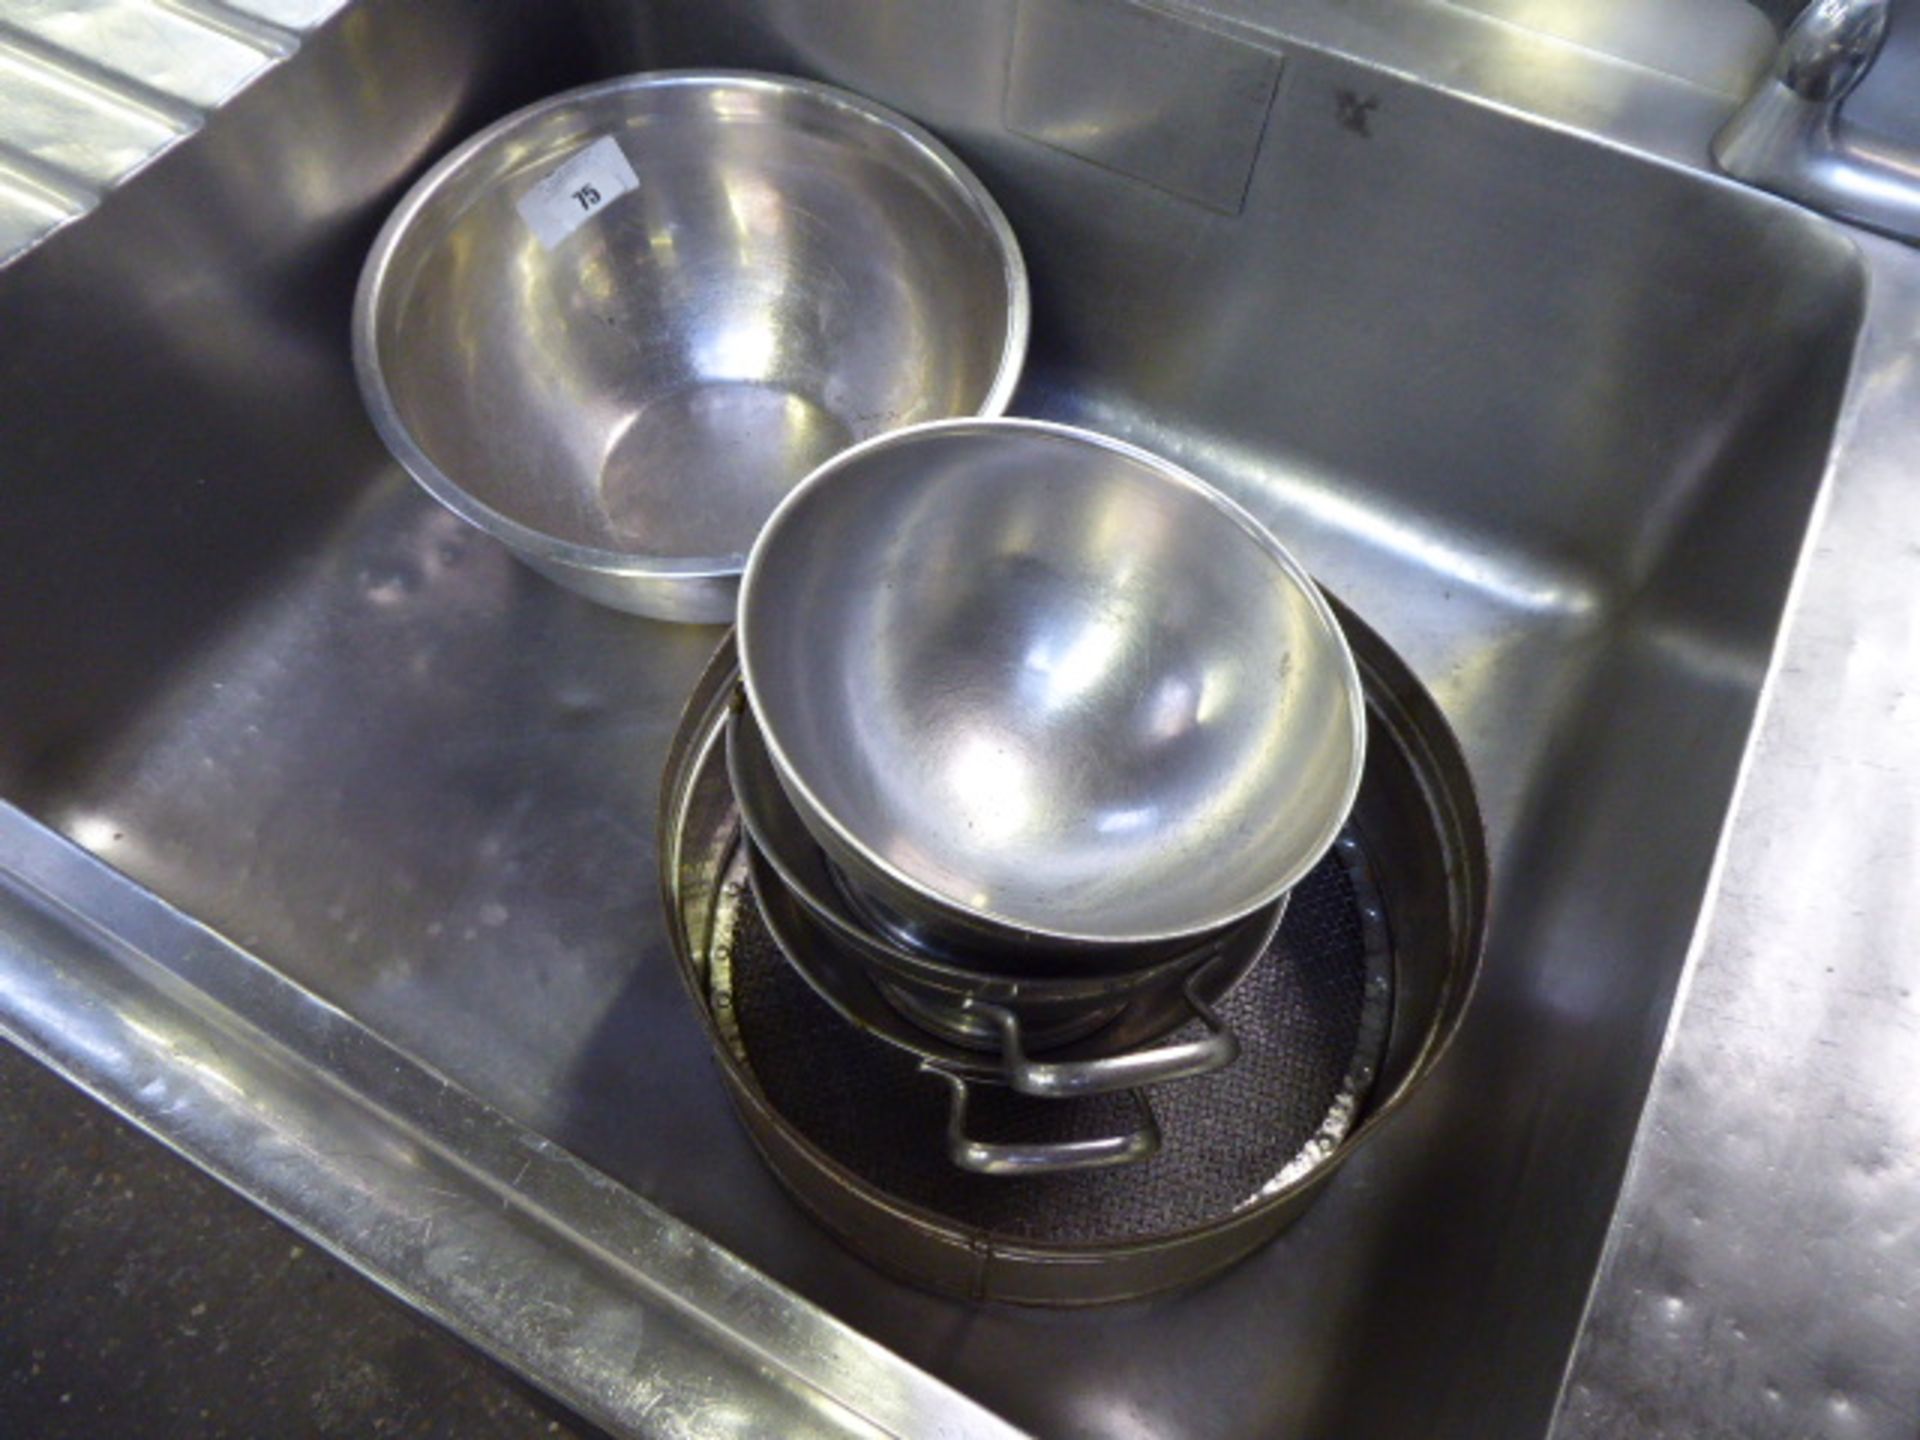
{"points": [[1143, 92]]}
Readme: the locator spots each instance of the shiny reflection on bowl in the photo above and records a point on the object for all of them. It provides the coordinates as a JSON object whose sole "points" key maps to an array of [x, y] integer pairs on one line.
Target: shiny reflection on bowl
{"points": [[1049, 681], [765, 271]]}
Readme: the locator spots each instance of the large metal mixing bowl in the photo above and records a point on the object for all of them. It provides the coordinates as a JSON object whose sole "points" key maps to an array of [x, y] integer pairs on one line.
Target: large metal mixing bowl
{"points": [[617, 327], [1046, 689]]}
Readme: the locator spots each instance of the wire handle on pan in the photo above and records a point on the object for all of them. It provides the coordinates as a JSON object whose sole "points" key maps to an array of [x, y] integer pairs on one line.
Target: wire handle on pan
{"points": [[1064, 1079], [989, 1157]]}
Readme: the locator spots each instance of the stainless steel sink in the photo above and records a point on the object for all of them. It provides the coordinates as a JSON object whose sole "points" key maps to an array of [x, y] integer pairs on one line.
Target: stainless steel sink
{"points": [[1552, 416]]}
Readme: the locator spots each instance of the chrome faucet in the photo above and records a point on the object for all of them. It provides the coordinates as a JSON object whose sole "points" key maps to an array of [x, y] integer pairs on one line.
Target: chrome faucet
{"points": [[1788, 137]]}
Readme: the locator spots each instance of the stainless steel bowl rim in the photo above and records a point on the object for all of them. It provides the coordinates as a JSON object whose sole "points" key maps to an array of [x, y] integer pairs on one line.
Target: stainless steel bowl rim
{"points": [[810, 802], [446, 174]]}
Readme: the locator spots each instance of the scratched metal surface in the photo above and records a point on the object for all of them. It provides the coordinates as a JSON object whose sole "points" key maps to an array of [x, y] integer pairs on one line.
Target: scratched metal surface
{"points": [[135, 1285], [630, 1316], [1763, 1275]]}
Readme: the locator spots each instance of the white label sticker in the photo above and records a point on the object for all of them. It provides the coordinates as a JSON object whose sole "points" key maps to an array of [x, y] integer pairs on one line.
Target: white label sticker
{"points": [[577, 189]]}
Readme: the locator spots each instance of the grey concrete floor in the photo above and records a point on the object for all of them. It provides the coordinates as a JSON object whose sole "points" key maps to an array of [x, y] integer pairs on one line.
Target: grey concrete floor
{"points": [[140, 1298]]}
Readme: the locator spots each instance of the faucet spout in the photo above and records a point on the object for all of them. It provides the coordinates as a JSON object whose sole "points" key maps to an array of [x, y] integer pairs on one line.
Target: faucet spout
{"points": [[1788, 136], [1830, 46]]}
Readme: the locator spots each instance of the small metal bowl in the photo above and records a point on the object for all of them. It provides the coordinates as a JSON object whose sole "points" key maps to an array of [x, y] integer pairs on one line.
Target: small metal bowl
{"points": [[1047, 691], [614, 329]]}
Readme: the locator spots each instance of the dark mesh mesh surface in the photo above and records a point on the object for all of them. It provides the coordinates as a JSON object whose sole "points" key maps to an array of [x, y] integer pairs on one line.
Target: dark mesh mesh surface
{"points": [[865, 1102]]}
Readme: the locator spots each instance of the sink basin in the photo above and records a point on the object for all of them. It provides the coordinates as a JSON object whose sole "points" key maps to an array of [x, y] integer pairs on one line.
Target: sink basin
{"points": [[1552, 417]]}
